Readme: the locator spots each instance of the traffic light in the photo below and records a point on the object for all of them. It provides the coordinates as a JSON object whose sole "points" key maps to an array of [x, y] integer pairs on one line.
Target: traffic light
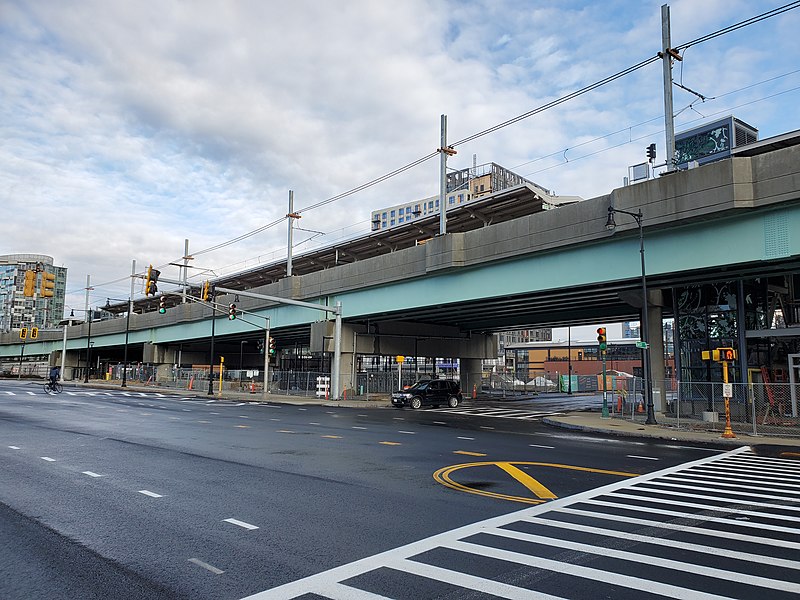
{"points": [[23, 333], [29, 287], [272, 346], [150, 287], [204, 292], [651, 152], [260, 346], [601, 339], [162, 304], [48, 288], [34, 333], [232, 312]]}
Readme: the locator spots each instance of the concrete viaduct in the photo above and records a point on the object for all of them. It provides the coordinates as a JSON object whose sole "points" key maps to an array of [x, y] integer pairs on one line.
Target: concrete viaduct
{"points": [[447, 297]]}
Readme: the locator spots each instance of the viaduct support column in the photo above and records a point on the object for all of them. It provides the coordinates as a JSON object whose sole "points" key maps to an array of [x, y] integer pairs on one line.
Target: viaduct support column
{"points": [[470, 376]]}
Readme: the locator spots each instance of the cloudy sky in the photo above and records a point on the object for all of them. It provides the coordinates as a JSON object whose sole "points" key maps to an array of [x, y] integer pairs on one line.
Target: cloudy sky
{"points": [[128, 127]]}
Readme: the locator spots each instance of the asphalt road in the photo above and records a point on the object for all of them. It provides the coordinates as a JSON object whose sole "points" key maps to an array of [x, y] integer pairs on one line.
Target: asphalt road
{"points": [[128, 495]]}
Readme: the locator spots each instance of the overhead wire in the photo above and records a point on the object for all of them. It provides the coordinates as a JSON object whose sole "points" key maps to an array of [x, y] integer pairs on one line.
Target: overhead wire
{"points": [[499, 126]]}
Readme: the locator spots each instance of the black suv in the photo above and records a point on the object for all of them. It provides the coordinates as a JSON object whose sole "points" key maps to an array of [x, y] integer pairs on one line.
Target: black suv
{"points": [[431, 392]]}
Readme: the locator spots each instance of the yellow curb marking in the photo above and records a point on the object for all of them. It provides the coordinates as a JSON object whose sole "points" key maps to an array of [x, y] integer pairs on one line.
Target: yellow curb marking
{"points": [[541, 492]]}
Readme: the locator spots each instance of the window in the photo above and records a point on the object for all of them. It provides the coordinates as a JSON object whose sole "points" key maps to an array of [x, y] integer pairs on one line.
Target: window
{"points": [[400, 220], [392, 215]]}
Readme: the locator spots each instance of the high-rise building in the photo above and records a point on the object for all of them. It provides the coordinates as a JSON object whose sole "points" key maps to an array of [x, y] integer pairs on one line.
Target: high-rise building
{"points": [[18, 310]]}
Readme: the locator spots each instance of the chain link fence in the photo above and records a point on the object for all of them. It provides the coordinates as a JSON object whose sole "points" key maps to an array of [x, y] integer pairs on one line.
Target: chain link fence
{"points": [[755, 408]]}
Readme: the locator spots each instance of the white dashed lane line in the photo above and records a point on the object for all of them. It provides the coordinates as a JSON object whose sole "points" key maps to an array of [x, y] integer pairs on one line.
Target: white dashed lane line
{"points": [[465, 438], [14, 447], [92, 474], [240, 523], [151, 494], [408, 432], [206, 566], [642, 457], [48, 459], [541, 446]]}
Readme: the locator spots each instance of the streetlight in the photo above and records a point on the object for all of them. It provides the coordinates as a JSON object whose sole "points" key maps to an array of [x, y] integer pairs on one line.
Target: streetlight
{"points": [[645, 329], [127, 329]]}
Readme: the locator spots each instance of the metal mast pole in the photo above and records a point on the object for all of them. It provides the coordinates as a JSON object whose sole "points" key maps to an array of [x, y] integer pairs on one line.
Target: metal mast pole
{"points": [[88, 317], [185, 269], [443, 178], [128, 327], [645, 334], [337, 351], [265, 391], [666, 57], [289, 245]]}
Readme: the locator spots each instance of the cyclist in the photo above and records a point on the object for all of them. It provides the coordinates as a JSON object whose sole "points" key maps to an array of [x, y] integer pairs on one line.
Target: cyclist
{"points": [[54, 373]]}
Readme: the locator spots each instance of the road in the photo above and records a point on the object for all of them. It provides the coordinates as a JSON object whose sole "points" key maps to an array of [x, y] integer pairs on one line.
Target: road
{"points": [[129, 495]]}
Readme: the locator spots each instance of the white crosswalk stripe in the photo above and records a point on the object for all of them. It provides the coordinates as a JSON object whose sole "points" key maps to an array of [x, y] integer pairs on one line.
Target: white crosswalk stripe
{"points": [[721, 527]]}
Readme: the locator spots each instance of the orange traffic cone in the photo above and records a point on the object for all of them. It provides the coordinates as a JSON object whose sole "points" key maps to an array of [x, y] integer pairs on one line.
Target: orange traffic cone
{"points": [[474, 391], [191, 381], [640, 408], [252, 387]]}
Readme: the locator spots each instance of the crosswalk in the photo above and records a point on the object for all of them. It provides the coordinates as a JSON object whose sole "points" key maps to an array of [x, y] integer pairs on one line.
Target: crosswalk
{"points": [[502, 413], [723, 527]]}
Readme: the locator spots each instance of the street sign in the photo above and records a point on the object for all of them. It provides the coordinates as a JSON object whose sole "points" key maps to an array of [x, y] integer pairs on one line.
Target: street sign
{"points": [[642, 345], [727, 390]]}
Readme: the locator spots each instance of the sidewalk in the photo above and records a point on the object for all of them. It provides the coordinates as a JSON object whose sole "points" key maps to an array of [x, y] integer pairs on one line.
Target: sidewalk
{"points": [[587, 421]]}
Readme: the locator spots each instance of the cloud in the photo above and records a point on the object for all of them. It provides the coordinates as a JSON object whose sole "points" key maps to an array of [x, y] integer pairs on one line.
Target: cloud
{"points": [[133, 126]]}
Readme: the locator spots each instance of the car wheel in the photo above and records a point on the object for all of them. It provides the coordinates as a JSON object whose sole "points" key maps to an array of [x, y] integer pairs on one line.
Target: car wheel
{"points": [[452, 402], [416, 402]]}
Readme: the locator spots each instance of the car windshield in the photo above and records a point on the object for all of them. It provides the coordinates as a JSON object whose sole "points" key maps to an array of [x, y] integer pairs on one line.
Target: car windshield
{"points": [[419, 386]]}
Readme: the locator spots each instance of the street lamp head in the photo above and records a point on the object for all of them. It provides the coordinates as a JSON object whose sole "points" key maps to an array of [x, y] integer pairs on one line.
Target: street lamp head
{"points": [[610, 223]]}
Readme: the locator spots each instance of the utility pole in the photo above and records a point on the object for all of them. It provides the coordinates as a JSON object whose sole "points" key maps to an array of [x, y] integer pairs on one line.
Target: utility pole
{"points": [[444, 151], [667, 54], [186, 258], [292, 216]]}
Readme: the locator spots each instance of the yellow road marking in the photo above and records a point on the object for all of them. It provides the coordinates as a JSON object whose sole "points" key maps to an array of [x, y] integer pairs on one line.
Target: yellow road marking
{"points": [[790, 454], [526, 480], [390, 443], [279, 430], [468, 453], [332, 437], [542, 493]]}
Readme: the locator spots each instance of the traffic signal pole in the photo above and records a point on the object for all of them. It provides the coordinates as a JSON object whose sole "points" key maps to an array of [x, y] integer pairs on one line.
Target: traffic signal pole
{"points": [[337, 336]]}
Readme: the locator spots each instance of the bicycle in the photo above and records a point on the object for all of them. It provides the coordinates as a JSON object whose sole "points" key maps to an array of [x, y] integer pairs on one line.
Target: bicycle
{"points": [[53, 387]]}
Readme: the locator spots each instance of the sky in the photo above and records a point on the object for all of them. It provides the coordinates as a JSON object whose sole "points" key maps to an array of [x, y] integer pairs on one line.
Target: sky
{"points": [[129, 127]]}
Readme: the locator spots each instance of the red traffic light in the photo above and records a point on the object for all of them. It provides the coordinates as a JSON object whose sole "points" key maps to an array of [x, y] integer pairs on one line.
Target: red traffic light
{"points": [[601, 338]]}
